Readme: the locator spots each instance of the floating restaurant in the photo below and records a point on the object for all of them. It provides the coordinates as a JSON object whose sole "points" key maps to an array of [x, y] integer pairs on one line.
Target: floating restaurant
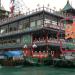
{"points": [[34, 36]]}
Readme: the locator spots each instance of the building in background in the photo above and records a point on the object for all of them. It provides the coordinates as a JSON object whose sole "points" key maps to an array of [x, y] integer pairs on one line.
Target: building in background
{"points": [[3, 12]]}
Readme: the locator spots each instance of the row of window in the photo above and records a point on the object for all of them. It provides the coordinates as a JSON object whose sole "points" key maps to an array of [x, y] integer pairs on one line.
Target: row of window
{"points": [[20, 25]]}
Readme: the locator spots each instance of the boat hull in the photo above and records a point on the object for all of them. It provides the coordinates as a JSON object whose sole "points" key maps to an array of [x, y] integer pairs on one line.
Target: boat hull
{"points": [[63, 63]]}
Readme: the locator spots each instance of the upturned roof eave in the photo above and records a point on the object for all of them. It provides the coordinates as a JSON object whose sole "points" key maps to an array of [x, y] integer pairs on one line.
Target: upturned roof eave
{"points": [[68, 7]]}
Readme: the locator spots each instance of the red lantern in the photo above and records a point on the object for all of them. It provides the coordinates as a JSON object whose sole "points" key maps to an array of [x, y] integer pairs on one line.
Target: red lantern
{"points": [[40, 55]]}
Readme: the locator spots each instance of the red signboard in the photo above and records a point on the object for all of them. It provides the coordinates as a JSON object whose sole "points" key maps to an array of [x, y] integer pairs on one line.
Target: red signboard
{"points": [[70, 31]]}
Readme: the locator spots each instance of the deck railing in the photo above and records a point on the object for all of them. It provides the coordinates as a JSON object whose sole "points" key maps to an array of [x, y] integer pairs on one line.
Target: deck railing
{"points": [[53, 26], [19, 16], [50, 41], [54, 41], [11, 45], [20, 31]]}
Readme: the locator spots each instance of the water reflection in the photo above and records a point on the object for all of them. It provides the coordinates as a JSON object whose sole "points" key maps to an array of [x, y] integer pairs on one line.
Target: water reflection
{"points": [[47, 70]]}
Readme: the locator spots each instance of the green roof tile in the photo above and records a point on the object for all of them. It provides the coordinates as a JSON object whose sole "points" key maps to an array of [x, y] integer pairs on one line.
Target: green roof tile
{"points": [[67, 6]]}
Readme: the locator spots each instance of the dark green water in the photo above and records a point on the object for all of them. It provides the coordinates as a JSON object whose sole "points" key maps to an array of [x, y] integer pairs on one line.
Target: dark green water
{"points": [[37, 71]]}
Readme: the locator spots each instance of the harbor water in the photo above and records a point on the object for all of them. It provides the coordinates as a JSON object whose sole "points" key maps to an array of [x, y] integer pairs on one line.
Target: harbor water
{"points": [[46, 70]]}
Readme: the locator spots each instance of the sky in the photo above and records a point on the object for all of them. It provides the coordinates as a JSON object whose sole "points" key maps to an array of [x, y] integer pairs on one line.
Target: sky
{"points": [[32, 4]]}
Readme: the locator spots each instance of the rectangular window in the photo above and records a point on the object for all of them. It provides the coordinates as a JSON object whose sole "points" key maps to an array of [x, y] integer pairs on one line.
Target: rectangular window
{"points": [[13, 26], [18, 40], [33, 24], [20, 25], [26, 25], [39, 22], [4, 29]]}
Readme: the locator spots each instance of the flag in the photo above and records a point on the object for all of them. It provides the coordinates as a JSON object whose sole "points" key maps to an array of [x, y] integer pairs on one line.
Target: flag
{"points": [[11, 6]]}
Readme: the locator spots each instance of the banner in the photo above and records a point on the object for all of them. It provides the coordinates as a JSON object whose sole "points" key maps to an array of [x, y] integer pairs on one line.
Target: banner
{"points": [[70, 31]]}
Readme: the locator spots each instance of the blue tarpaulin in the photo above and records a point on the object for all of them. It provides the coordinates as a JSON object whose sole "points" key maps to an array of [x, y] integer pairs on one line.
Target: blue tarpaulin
{"points": [[13, 53]]}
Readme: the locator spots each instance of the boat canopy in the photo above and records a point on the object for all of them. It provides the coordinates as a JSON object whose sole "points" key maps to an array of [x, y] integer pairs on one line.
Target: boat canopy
{"points": [[13, 53]]}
